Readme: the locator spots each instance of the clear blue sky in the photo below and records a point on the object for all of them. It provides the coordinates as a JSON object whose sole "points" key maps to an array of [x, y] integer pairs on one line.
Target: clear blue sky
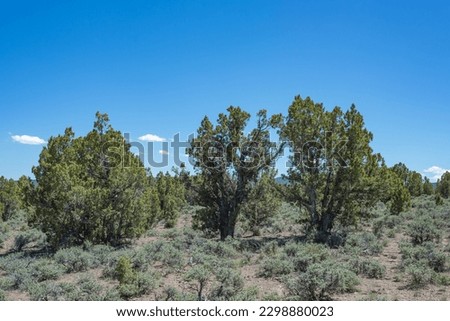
{"points": [[157, 67]]}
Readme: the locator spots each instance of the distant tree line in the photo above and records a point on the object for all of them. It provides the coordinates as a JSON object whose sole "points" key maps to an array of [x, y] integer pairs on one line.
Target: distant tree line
{"points": [[93, 188]]}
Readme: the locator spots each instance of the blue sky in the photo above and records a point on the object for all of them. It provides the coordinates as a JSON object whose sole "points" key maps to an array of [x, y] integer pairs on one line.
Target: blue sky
{"points": [[157, 67]]}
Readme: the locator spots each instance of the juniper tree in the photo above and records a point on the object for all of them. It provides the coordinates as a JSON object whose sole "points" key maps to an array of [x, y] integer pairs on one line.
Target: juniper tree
{"points": [[10, 198], [334, 173], [427, 187], [443, 185], [90, 188], [228, 162], [171, 197], [263, 202]]}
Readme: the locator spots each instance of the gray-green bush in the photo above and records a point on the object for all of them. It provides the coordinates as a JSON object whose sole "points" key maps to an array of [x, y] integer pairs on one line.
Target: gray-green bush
{"points": [[30, 239], [75, 259], [321, 281]]}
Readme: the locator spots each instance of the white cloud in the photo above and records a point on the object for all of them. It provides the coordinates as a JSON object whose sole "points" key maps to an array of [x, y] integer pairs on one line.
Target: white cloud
{"points": [[152, 138], [163, 152], [435, 172], [28, 140]]}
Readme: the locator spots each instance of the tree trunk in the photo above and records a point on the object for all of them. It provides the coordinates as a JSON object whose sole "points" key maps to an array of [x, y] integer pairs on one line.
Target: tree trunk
{"points": [[324, 226]]}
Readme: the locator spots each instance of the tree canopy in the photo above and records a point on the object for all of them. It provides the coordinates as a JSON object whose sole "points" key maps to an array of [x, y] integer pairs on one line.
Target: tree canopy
{"points": [[228, 162], [334, 173], [90, 188]]}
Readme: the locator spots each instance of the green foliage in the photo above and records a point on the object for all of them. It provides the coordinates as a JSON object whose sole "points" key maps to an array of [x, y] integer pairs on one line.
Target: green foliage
{"points": [[74, 259], [334, 173], [30, 239], [170, 196], [10, 198], [90, 188], [411, 180], [246, 294], [427, 187], [423, 229], [2, 295], [368, 267], [229, 283], [124, 270], [400, 200], [228, 163], [419, 275], [131, 283], [22, 271], [276, 266], [385, 222], [426, 253], [45, 269], [141, 284], [443, 185], [438, 200], [86, 288], [200, 276], [321, 281], [363, 243], [262, 203], [304, 255]]}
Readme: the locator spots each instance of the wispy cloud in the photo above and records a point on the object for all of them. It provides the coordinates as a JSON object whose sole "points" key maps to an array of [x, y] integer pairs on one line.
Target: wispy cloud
{"points": [[163, 152], [435, 172], [151, 138], [28, 140]]}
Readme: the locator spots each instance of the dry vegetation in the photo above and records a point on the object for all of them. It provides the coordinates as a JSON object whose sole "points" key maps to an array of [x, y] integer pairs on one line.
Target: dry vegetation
{"points": [[388, 257]]}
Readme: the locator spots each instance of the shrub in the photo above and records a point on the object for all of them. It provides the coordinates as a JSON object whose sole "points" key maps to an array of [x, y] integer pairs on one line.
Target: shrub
{"points": [[303, 255], [6, 283], [427, 252], [276, 266], [246, 294], [200, 276], [170, 293], [423, 229], [383, 222], [74, 259], [132, 283], [50, 291], [420, 275], [18, 270], [142, 283], [101, 253], [270, 248], [364, 243], [321, 281], [124, 270], [171, 257], [30, 239], [87, 289], [369, 268], [45, 269], [272, 296], [229, 284], [2, 295]]}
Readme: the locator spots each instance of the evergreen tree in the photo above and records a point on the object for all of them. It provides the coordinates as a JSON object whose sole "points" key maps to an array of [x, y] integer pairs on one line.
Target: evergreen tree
{"points": [[10, 198], [90, 188], [415, 185], [427, 187], [263, 202], [171, 197], [228, 163], [443, 185], [334, 173]]}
